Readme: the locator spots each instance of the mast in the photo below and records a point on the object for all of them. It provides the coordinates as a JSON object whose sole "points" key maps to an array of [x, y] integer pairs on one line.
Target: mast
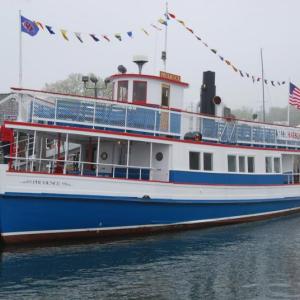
{"points": [[263, 85], [164, 52], [20, 50]]}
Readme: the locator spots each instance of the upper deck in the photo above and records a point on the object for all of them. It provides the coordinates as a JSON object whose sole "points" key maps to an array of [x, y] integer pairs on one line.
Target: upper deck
{"points": [[148, 119]]}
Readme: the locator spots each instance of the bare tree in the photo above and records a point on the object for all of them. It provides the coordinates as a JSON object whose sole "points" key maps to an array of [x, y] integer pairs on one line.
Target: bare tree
{"points": [[73, 85]]}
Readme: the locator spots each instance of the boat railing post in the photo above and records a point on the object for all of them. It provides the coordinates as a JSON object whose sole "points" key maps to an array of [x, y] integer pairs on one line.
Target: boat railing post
{"points": [[155, 121], [33, 151], [55, 111], [127, 159], [126, 116], [41, 151], [150, 162], [113, 171], [94, 115], [169, 121], [16, 151], [27, 152], [97, 159], [66, 148], [140, 175]]}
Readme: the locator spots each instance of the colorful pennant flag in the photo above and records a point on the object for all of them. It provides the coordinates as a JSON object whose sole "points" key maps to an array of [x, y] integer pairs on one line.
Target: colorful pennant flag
{"points": [[106, 37], [118, 36], [172, 16], [129, 33], [29, 26], [93, 36], [39, 24], [49, 28], [156, 27], [145, 31], [162, 21], [64, 34], [213, 51], [78, 35]]}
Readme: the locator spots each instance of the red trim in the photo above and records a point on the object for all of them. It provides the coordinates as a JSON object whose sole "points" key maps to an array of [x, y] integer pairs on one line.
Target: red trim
{"points": [[146, 136], [143, 76]]}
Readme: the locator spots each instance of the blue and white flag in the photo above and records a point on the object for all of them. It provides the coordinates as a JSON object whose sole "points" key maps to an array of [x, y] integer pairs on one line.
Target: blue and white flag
{"points": [[29, 26]]}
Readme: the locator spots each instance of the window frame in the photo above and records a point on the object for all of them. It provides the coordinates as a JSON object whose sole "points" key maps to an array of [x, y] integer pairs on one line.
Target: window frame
{"points": [[248, 165], [235, 163], [140, 100], [118, 91], [199, 160], [164, 85], [211, 161]]}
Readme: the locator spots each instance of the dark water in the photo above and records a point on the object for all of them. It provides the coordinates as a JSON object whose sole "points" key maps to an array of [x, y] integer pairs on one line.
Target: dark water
{"points": [[250, 261]]}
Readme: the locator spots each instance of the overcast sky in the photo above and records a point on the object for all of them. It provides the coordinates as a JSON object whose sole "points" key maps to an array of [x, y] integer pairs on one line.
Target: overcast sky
{"points": [[237, 29]]}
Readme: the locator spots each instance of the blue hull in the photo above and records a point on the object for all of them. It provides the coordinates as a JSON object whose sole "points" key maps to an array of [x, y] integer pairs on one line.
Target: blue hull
{"points": [[29, 215]]}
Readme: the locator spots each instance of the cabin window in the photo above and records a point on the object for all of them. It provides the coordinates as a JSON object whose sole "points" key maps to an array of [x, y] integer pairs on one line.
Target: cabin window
{"points": [[231, 159], [194, 161], [165, 95], [277, 164], [268, 164], [242, 164], [123, 90], [139, 91], [251, 166], [207, 161]]}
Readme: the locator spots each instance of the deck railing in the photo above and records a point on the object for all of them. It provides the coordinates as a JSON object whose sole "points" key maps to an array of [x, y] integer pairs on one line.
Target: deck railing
{"points": [[112, 115]]}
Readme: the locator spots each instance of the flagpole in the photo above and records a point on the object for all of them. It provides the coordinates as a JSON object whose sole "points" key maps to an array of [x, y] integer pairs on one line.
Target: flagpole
{"points": [[263, 84], [20, 51], [289, 106], [164, 56]]}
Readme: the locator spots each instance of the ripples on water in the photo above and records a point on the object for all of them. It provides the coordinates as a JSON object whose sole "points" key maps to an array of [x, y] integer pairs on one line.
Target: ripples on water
{"points": [[251, 261]]}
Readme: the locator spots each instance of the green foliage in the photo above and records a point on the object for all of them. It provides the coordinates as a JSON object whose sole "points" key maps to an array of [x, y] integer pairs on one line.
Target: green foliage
{"points": [[73, 85]]}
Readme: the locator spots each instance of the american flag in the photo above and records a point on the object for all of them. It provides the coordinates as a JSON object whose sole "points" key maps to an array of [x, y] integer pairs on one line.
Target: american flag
{"points": [[294, 98]]}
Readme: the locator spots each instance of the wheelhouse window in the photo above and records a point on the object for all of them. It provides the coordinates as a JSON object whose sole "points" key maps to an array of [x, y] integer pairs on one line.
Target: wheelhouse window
{"points": [[242, 164], [277, 167], [268, 164], [139, 91], [123, 90], [231, 160], [251, 165], [207, 161], [194, 160], [165, 95]]}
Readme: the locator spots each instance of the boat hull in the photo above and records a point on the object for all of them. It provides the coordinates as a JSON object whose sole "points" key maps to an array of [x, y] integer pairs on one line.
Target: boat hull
{"points": [[29, 218]]}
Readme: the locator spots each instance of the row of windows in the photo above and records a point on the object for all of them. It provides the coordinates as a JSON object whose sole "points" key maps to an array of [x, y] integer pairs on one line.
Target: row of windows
{"points": [[273, 164], [198, 159], [235, 163], [140, 92], [240, 163]]}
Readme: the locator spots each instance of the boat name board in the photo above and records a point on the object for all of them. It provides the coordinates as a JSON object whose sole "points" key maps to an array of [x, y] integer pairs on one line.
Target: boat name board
{"points": [[169, 76], [288, 134], [45, 182]]}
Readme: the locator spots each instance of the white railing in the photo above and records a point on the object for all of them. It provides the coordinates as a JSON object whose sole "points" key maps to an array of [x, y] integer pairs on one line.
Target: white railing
{"points": [[113, 115], [80, 168]]}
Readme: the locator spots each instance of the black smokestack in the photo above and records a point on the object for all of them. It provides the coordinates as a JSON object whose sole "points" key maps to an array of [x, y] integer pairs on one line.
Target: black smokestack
{"points": [[208, 92]]}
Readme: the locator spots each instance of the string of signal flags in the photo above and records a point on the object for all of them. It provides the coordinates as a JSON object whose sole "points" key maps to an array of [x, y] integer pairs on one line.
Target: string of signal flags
{"points": [[33, 27], [221, 57]]}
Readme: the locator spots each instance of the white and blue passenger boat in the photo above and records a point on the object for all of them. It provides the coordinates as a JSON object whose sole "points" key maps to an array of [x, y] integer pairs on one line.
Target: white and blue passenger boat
{"points": [[79, 167]]}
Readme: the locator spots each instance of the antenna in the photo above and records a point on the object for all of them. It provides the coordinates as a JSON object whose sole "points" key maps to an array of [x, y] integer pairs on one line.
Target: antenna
{"points": [[140, 60]]}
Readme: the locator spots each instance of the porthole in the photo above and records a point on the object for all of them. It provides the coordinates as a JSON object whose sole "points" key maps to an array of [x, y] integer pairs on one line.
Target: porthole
{"points": [[104, 155], [159, 156]]}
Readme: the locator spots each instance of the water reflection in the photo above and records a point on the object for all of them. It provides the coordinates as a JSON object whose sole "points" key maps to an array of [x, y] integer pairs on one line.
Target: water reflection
{"points": [[250, 261]]}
